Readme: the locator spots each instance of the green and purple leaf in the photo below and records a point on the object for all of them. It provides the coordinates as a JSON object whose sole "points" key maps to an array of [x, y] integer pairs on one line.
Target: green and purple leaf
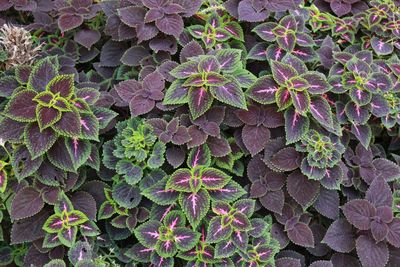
{"points": [[22, 106], [282, 72], [148, 233], [185, 238], [180, 180], [195, 206], [38, 142], [200, 100], [321, 111], [199, 156], [296, 125], [68, 236], [230, 93], [62, 85], [229, 59], [212, 178]]}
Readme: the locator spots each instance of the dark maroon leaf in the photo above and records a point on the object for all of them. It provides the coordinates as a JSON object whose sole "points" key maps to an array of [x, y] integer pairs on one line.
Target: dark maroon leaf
{"points": [[87, 37], [340, 236], [359, 212], [303, 190], [371, 253], [255, 138], [26, 203], [327, 203], [301, 235]]}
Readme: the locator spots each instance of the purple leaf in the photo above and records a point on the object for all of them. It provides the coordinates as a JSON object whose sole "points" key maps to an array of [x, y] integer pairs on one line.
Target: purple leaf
{"points": [[379, 193], [87, 37], [247, 12], [26, 203], [148, 233], [287, 41], [393, 236], [265, 31], [29, 229], [200, 101], [68, 22], [180, 180], [301, 101], [301, 235], [386, 169], [379, 106], [255, 138], [159, 194], [199, 156], [58, 156], [288, 262], [340, 8], [134, 55], [363, 133], [229, 193], [8, 84], [170, 24], [381, 47], [111, 53], [286, 159], [22, 163], [38, 142], [327, 203], [371, 253], [132, 15], [301, 189], [217, 232], [317, 82], [212, 178], [47, 117], [321, 264], [209, 64], [185, 238], [273, 201], [219, 147], [229, 59], [359, 212], [340, 236]]}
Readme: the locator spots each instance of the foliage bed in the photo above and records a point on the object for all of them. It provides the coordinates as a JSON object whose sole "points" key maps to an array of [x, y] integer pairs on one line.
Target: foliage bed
{"points": [[200, 133]]}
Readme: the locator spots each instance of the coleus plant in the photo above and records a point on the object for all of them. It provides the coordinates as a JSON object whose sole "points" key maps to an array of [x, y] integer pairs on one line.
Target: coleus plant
{"points": [[316, 150], [47, 115], [201, 183], [233, 228], [289, 36], [296, 91], [217, 30], [62, 227], [168, 237], [323, 154], [133, 151], [204, 78]]}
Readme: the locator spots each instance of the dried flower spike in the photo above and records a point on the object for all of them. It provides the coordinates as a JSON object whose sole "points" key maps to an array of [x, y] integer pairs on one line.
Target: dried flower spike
{"points": [[17, 43]]}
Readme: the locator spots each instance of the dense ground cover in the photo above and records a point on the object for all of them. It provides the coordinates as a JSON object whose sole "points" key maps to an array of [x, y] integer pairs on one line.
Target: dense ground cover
{"points": [[199, 133]]}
